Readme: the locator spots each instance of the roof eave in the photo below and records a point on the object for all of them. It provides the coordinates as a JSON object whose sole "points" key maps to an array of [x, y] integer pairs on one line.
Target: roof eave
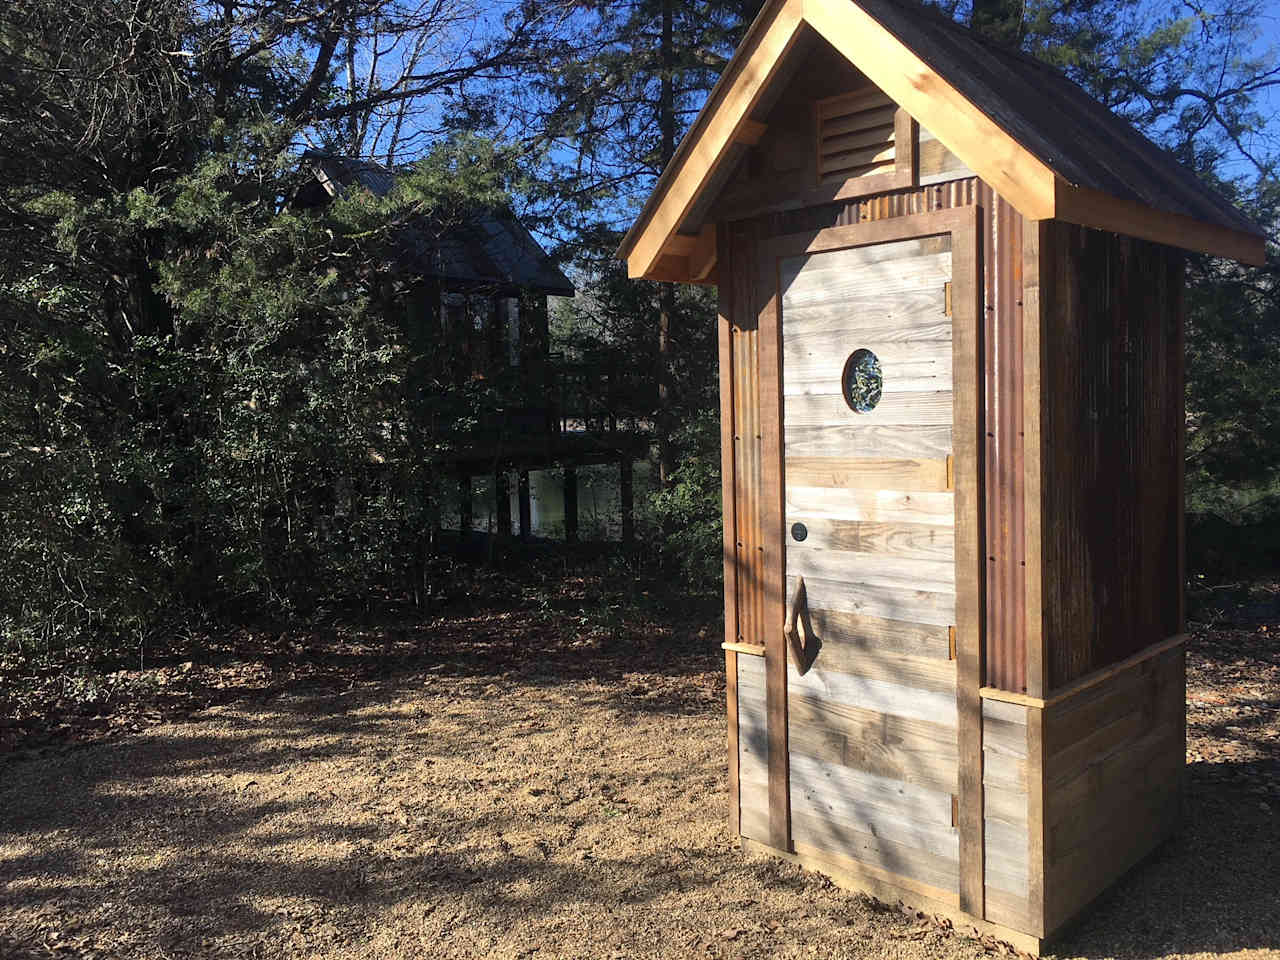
{"points": [[1101, 211]]}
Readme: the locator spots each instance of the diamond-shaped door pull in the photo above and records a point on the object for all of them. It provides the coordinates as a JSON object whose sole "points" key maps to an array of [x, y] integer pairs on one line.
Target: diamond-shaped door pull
{"points": [[802, 644]]}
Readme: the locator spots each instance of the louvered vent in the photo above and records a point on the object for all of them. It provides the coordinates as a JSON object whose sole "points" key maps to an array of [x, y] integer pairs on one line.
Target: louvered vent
{"points": [[856, 135]]}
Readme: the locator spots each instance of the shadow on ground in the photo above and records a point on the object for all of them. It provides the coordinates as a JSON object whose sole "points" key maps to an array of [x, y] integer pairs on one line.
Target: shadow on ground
{"points": [[1210, 889], [477, 789]]}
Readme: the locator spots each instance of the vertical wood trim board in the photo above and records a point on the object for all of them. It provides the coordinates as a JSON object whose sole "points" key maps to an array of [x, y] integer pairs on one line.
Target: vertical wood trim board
{"points": [[771, 515], [1001, 238], [966, 266], [731, 701], [741, 470], [728, 458], [1177, 288], [728, 489], [1037, 892], [1035, 246]]}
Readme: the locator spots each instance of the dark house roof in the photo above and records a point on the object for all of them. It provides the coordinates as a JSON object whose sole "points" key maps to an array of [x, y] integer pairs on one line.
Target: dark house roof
{"points": [[485, 248]]}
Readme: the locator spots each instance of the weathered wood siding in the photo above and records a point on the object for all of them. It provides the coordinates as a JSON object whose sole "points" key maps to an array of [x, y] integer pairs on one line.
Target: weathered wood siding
{"points": [[872, 491], [1006, 791], [741, 480], [1111, 422], [753, 749], [937, 163], [1003, 396], [1113, 763]]}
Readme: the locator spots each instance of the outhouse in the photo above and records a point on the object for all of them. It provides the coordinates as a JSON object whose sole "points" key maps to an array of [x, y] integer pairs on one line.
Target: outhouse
{"points": [[951, 368]]}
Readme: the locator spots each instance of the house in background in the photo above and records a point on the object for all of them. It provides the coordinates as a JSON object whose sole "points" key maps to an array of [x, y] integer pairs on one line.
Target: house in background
{"points": [[482, 288]]}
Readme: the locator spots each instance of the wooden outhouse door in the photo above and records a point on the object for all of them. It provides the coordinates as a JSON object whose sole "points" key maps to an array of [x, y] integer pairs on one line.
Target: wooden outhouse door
{"points": [[877, 367]]}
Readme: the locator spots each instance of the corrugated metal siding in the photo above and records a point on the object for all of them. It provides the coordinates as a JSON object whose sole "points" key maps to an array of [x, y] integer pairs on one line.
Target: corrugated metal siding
{"points": [[1006, 665]]}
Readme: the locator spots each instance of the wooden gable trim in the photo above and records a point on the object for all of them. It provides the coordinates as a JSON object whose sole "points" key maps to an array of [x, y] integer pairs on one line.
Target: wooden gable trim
{"points": [[729, 121], [999, 160], [1030, 185]]}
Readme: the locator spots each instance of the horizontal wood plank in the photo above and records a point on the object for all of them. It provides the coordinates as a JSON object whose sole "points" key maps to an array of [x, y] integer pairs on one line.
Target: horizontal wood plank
{"points": [[924, 673], [870, 440], [883, 635], [928, 408], [911, 573], [823, 801], [865, 137], [867, 848], [908, 801], [904, 748], [1005, 804], [815, 363], [899, 316], [852, 159], [1003, 771], [1009, 910], [1004, 728], [868, 693], [876, 506], [844, 277], [869, 473], [855, 101], [859, 120], [879, 600], [887, 541], [1005, 856]]}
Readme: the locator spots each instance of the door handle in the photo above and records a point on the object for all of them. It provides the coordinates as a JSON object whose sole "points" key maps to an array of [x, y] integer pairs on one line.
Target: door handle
{"points": [[798, 630]]}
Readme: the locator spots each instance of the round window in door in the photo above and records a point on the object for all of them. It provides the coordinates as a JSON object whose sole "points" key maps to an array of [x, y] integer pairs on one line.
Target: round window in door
{"points": [[862, 381]]}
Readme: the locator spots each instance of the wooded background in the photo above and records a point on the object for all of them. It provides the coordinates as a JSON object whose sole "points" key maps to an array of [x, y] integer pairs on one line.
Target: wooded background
{"points": [[210, 406]]}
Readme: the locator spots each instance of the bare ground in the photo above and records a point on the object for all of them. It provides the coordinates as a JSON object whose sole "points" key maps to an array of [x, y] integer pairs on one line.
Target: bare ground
{"points": [[506, 784]]}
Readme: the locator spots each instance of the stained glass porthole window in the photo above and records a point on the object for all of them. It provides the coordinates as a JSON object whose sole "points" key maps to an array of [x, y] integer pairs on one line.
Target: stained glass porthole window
{"points": [[862, 381]]}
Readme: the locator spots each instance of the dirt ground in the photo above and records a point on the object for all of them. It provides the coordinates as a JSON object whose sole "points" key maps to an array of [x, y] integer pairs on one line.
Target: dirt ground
{"points": [[469, 788]]}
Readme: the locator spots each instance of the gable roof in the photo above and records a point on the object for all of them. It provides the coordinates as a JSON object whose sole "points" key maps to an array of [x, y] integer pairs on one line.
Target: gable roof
{"points": [[488, 247], [1034, 136]]}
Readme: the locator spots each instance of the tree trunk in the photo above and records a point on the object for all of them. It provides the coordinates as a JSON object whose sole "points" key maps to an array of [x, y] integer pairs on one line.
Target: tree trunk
{"points": [[667, 296]]}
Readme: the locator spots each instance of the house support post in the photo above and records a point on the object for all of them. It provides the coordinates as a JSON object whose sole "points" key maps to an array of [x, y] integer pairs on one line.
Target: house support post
{"points": [[627, 498], [466, 518], [570, 504], [502, 504], [526, 506]]}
